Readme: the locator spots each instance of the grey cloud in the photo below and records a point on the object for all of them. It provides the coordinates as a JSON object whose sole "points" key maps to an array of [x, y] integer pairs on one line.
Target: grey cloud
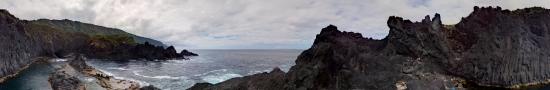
{"points": [[247, 23]]}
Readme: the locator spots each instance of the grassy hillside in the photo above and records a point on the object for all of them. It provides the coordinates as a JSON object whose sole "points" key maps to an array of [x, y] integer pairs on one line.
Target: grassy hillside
{"points": [[92, 30]]}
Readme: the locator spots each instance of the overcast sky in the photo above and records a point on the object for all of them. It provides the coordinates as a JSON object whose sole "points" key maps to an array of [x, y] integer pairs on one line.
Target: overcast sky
{"points": [[248, 24]]}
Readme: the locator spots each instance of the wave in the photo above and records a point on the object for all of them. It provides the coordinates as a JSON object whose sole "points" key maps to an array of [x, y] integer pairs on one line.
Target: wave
{"points": [[220, 78], [141, 83], [209, 72], [59, 60], [158, 77], [119, 68], [258, 71], [217, 76], [106, 72]]}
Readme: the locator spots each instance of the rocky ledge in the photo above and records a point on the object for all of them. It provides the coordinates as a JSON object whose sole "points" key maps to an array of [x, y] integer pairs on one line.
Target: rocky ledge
{"points": [[490, 48], [65, 78]]}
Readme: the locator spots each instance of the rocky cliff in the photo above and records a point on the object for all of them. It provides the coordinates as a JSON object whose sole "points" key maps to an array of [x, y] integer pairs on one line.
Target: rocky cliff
{"points": [[22, 42], [490, 48], [25, 41]]}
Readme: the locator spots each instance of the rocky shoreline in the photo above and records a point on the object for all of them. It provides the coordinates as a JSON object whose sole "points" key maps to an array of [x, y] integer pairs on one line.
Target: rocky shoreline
{"points": [[65, 78], [489, 49]]}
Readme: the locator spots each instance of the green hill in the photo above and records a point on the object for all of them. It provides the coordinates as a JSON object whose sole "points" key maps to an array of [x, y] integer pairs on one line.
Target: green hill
{"points": [[92, 30]]}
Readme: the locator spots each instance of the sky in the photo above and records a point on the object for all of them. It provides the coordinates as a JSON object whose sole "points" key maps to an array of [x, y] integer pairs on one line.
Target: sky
{"points": [[248, 24]]}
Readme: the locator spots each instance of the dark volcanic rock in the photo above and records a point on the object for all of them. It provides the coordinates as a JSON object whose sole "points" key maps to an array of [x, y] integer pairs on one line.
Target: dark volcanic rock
{"points": [[263, 81], [503, 48], [102, 50], [61, 80], [491, 47], [150, 87], [187, 53]]}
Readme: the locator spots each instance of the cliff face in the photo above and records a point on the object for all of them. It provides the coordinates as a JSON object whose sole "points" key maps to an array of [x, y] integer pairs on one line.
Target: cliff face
{"points": [[22, 42], [505, 47], [491, 47]]}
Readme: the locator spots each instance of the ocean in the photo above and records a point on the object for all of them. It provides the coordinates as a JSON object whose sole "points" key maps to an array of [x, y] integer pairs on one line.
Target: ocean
{"points": [[211, 66]]}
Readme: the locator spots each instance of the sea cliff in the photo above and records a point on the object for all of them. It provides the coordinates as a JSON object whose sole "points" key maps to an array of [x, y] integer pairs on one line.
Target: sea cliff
{"points": [[490, 48]]}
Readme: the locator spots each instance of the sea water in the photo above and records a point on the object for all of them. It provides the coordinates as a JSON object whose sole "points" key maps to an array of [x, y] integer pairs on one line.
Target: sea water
{"points": [[212, 66]]}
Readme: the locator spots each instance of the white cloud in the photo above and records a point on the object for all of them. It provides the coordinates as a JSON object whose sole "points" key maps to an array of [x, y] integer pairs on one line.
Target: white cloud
{"points": [[248, 23]]}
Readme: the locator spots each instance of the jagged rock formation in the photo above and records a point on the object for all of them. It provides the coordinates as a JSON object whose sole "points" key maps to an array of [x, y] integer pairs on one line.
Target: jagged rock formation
{"points": [[90, 29], [188, 53], [64, 79], [150, 87], [108, 82], [490, 48], [105, 50], [25, 41], [71, 76]]}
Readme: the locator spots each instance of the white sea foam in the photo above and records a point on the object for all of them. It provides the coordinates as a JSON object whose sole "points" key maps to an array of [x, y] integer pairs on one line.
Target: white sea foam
{"points": [[106, 72], [286, 67], [119, 68], [141, 83], [256, 72], [176, 61], [158, 77], [88, 79], [59, 60], [217, 76]]}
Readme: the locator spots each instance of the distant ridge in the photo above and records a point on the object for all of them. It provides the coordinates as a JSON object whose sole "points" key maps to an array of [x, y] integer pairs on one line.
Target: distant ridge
{"points": [[90, 29]]}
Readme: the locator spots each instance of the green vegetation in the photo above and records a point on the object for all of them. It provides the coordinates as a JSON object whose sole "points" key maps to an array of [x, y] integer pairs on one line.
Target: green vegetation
{"points": [[115, 39], [449, 27], [91, 30]]}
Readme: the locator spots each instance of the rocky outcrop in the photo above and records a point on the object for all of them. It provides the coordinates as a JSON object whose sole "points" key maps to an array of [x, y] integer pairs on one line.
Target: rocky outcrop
{"points": [[146, 51], [262, 81], [150, 87], [78, 62], [491, 48], [64, 79], [104, 80], [187, 53]]}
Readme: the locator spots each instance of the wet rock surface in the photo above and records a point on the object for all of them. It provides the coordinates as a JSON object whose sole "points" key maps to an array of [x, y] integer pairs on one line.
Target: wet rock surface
{"points": [[108, 82], [490, 48], [64, 79]]}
